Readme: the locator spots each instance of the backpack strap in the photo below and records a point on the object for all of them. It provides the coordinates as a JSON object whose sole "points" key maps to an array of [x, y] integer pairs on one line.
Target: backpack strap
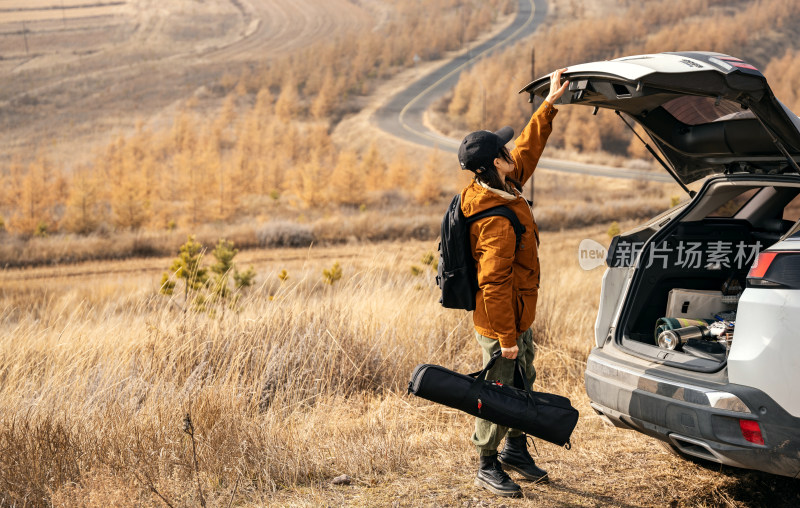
{"points": [[503, 211]]}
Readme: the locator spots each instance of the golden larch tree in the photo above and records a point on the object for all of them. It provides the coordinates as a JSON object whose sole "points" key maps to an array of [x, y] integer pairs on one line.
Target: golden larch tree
{"points": [[263, 106], [288, 104], [326, 97], [85, 210], [429, 182], [347, 181], [373, 169], [399, 173], [309, 181], [33, 197]]}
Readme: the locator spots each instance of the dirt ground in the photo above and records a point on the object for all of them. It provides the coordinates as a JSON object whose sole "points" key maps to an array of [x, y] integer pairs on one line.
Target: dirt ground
{"points": [[75, 72]]}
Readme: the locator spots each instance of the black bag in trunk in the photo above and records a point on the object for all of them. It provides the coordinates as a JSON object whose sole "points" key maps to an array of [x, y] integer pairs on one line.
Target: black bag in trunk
{"points": [[543, 415]]}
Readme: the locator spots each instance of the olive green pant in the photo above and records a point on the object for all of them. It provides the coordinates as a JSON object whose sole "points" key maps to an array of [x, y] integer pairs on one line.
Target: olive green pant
{"points": [[488, 435]]}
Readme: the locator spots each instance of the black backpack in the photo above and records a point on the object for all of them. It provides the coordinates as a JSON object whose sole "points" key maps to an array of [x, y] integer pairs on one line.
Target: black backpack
{"points": [[456, 275]]}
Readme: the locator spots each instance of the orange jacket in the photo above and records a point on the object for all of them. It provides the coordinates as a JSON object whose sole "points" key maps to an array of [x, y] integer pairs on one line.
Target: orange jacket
{"points": [[508, 279]]}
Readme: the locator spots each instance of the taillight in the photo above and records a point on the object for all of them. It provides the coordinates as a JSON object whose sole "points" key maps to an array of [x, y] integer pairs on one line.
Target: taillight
{"points": [[761, 265], [751, 431], [738, 63], [776, 269]]}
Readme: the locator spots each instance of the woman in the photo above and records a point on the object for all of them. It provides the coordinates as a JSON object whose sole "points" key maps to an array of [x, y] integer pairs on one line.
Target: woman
{"points": [[508, 277]]}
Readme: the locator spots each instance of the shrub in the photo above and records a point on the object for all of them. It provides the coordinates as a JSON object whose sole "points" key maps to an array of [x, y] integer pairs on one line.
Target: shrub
{"points": [[41, 230], [224, 254], [332, 274], [244, 279], [207, 290], [283, 276], [429, 259], [187, 267], [285, 234], [613, 229]]}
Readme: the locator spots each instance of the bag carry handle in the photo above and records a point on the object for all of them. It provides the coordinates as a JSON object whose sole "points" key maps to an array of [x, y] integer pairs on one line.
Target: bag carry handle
{"points": [[481, 374], [518, 372], [521, 374]]}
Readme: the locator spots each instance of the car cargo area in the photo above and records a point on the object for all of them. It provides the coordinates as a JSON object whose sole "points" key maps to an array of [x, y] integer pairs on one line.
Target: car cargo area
{"points": [[691, 273]]}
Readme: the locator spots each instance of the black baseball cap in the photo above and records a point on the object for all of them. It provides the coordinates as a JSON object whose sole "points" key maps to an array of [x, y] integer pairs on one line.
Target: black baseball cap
{"points": [[480, 148]]}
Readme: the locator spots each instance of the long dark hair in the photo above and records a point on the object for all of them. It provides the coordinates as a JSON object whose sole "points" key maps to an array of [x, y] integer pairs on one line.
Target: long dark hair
{"points": [[491, 177]]}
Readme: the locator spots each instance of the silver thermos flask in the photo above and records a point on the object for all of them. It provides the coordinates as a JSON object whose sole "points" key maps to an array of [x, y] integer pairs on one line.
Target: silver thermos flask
{"points": [[672, 339]]}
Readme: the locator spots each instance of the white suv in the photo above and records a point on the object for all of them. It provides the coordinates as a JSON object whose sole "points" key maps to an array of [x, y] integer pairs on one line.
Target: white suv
{"points": [[724, 386]]}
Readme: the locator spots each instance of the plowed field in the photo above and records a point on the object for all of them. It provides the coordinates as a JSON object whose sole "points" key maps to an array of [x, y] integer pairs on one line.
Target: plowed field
{"points": [[74, 71]]}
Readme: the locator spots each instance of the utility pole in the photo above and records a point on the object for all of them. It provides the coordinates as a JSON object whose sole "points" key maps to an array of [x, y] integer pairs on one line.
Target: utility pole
{"points": [[483, 115], [533, 107], [25, 36], [533, 74]]}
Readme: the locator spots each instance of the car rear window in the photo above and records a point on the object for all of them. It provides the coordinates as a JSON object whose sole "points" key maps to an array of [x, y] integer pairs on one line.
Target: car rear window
{"points": [[730, 208], [695, 110], [792, 210]]}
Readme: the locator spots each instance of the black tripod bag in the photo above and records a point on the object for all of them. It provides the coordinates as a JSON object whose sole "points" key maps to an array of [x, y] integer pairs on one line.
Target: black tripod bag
{"points": [[543, 415]]}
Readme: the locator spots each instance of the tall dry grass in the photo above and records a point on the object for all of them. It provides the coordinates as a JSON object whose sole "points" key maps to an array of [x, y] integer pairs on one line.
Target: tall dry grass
{"points": [[301, 382]]}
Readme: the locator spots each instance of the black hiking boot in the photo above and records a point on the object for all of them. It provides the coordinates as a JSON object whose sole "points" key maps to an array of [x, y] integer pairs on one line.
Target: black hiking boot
{"points": [[492, 478], [515, 457]]}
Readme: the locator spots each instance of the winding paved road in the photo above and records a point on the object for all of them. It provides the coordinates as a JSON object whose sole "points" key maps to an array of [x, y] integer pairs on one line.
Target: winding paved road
{"points": [[402, 115]]}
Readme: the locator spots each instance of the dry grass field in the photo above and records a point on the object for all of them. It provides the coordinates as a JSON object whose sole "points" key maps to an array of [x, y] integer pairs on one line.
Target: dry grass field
{"points": [[299, 383]]}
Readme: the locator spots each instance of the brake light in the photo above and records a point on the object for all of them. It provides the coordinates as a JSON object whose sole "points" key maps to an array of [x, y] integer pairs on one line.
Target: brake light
{"points": [[762, 265], [738, 63], [751, 431], [776, 269]]}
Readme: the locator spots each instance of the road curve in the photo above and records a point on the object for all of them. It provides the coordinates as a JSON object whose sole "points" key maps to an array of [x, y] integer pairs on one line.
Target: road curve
{"points": [[402, 115], [275, 27]]}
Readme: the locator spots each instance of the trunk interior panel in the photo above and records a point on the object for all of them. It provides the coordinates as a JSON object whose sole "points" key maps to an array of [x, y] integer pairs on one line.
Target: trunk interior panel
{"points": [[698, 255]]}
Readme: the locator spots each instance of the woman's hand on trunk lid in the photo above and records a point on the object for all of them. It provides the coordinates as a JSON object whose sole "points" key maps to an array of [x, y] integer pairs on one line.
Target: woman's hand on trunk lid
{"points": [[557, 88]]}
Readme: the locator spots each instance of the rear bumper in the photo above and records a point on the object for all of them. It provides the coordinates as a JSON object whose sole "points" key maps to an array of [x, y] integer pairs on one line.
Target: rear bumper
{"points": [[698, 420]]}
